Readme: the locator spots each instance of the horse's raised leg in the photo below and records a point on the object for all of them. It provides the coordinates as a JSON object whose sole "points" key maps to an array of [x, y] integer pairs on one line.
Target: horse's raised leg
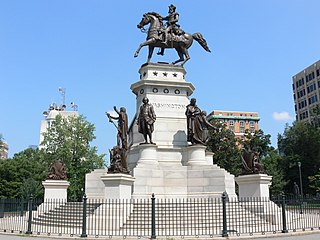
{"points": [[148, 42], [180, 53], [186, 53], [151, 48]]}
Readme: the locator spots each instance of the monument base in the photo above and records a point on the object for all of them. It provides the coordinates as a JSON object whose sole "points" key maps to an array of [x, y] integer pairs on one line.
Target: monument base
{"points": [[183, 172], [94, 187], [117, 185], [55, 190], [255, 188], [254, 185]]}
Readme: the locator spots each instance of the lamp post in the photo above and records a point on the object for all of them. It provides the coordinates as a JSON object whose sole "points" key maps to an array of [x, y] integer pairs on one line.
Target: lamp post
{"points": [[301, 191], [75, 187]]}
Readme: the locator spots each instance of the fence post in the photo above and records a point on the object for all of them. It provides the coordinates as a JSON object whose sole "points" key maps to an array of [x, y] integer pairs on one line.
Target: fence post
{"points": [[84, 217], [30, 215], [224, 214], [284, 219], [153, 217], [2, 207]]}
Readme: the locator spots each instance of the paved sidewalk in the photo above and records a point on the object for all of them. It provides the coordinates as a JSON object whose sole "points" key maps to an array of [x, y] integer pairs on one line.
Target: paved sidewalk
{"points": [[314, 235]]}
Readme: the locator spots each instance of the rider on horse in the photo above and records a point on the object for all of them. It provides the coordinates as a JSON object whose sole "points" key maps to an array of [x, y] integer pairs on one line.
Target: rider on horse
{"points": [[172, 26]]}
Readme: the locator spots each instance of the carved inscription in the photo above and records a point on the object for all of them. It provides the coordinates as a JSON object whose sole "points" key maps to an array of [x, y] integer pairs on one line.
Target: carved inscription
{"points": [[169, 105]]}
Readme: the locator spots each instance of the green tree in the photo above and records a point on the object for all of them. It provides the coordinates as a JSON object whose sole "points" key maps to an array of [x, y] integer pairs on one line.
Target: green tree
{"points": [[257, 141], [300, 143], [315, 182], [315, 116], [223, 144], [68, 139], [272, 164], [22, 175]]}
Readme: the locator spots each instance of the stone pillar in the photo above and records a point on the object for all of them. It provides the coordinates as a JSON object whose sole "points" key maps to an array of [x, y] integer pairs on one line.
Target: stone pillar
{"points": [[196, 155], [55, 190], [254, 185], [148, 154], [118, 185]]}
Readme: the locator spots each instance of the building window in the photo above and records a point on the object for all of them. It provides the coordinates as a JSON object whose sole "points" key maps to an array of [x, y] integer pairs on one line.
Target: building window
{"points": [[251, 123], [241, 123], [242, 129]]}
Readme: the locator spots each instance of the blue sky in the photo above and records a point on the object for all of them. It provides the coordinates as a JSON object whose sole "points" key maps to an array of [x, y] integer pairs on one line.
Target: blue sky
{"points": [[87, 47]]}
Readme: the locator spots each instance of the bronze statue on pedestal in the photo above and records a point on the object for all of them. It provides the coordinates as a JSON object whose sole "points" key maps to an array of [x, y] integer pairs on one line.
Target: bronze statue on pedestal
{"points": [[57, 171], [197, 124], [145, 120], [171, 36], [251, 162], [118, 154]]}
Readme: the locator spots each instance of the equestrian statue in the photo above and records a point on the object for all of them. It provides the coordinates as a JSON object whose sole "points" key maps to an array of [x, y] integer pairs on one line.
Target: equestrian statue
{"points": [[169, 36]]}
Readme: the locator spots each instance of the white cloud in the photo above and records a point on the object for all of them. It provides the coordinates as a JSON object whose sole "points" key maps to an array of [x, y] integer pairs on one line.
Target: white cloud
{"points": [[281, 116]]}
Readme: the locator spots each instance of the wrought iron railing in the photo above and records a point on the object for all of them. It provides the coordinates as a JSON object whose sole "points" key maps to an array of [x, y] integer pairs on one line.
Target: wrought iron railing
{"points": [[160, 216]]}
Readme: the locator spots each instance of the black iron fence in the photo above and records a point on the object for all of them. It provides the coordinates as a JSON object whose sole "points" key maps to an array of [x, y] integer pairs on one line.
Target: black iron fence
{"points": [[161, 217]]}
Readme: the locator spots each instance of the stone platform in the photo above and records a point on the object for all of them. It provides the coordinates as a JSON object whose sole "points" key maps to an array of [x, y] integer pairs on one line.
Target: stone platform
{"points": [[172, 168]]}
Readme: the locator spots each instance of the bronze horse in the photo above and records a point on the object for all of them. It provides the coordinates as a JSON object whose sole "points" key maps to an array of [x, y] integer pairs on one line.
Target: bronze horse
{"points": [[180, 42]]}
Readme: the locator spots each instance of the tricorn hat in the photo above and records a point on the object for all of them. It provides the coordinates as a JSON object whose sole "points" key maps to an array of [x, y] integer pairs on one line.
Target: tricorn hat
{"points": [[172, 7]]}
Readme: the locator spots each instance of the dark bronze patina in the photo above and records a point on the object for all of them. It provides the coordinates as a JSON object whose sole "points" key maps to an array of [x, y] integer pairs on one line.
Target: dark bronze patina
{"points": [[122, 118], [251, 162], [145, 120], [118, 154], [197, 124], [57, 171], [169, 36], [118, 160]]}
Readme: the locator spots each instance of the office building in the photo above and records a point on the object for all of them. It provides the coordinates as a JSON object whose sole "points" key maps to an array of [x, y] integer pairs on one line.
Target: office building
{"points": [[306, 85], [237, 122]]}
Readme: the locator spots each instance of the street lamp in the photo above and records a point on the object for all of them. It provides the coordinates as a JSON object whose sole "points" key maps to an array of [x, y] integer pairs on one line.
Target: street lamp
{"points": [[301, 191]]}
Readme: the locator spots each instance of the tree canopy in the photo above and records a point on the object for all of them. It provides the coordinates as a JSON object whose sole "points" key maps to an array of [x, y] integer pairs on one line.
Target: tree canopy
{"points": [[68, 139], [22, 175], [300, 143], [223, 144]]}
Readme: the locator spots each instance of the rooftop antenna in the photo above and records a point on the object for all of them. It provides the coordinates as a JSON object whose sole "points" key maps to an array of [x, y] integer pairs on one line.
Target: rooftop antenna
{"points": [[74, 106], [62, 90]]}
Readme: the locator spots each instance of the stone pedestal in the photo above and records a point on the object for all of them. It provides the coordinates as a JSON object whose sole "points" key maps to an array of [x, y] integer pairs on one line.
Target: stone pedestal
{"points": [[254, 185], [55, 190], [255, 188], [94, 187], [172, 168], [148, 155], [117, 185], [197, 155]]}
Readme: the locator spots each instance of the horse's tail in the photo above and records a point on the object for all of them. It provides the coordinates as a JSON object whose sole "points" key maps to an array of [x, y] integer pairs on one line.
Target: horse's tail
{"points": [[199, 38]]}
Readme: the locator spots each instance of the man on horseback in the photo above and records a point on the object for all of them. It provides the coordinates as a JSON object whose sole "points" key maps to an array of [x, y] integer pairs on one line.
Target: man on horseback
{"points": [[172, 26], [157, 36]]}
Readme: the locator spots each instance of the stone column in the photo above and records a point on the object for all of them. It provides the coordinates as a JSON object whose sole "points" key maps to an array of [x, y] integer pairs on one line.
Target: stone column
{"points": [[196, 155], [148, 155]]}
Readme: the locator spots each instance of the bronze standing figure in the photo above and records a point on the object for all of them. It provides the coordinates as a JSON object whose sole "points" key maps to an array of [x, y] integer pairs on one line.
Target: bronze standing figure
{"points": [[168, 37], [197, 124], [122, 118], [146, 119], [118, 154]]}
